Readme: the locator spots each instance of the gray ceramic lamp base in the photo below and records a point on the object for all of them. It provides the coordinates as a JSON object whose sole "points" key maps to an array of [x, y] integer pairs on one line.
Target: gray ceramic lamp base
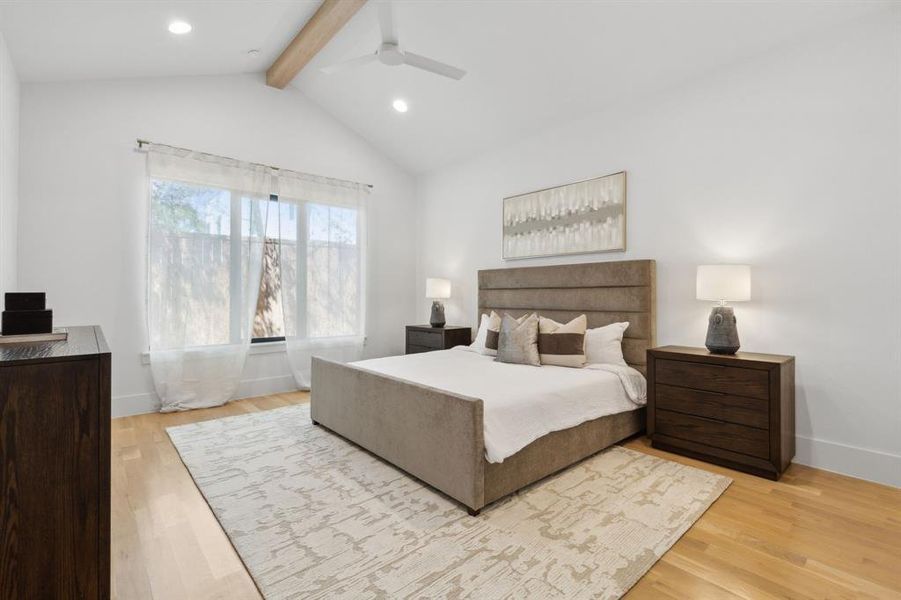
{"points": [[437, 318], [722, 334]]}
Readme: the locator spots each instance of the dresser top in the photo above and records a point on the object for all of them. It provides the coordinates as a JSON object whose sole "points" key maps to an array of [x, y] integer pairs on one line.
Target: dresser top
{"points": [[81, 342], [692, 353]]}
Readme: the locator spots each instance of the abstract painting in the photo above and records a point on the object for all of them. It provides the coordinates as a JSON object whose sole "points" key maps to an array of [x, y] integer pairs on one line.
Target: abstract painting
{"points": [[588, 216]]}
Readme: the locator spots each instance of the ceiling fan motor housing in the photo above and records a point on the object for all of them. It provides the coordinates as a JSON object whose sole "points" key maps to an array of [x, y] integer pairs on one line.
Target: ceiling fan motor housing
{"points": [[390, 54]]}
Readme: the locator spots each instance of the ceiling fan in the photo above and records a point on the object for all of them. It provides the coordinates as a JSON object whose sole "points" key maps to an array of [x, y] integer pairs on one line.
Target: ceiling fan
{"points": [[389, 52]]}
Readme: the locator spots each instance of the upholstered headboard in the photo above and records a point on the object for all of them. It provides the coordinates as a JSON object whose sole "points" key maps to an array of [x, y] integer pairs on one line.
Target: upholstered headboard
{"points": [[606, 292]]}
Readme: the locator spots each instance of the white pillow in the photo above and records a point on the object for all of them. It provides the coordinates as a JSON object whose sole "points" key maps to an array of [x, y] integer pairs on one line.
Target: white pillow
{"points": [[604, 345], [492, 322]]}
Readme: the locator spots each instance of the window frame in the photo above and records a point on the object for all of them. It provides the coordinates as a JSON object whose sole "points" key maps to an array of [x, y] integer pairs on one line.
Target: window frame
{"points": [[267, 340]]}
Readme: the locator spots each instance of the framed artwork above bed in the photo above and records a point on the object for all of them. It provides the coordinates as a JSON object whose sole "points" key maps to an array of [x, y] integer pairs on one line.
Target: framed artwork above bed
{"points": [[576, 218]]}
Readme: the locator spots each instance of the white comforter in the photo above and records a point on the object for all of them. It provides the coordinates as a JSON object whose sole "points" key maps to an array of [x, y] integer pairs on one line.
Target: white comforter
{"points": [[521, 402]]}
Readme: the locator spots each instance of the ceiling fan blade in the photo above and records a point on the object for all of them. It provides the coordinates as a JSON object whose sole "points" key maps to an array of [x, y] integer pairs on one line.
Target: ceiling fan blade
{"points": [[386, 23], [428, 64], [349, 64]]}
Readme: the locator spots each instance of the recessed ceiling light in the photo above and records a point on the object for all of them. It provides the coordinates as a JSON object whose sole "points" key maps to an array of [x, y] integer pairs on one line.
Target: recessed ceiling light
{"points": [[180, 27], [400, 105]]}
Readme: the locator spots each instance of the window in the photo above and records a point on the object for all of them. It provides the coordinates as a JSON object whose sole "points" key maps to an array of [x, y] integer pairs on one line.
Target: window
{"points": [[201, 236], [322, 299], [191, 271]]}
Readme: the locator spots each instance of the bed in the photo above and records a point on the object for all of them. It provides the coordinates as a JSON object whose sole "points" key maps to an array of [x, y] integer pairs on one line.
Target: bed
{"points": [[435, 429]]}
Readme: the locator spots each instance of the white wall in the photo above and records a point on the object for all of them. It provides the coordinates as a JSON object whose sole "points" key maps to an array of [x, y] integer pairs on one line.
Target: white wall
{"points": [[9, 169], [83, 202], [788, 162]]}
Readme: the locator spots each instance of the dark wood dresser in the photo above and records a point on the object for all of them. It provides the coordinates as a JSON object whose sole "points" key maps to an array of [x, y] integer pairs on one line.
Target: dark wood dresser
{"points": [[425, 338], [733, 410], [55, 458]]}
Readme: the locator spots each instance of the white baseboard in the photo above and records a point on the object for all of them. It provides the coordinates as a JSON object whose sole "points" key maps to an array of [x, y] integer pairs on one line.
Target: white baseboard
{"points": [[134, 404], [863, 463], [139, 404], [263, 386]]}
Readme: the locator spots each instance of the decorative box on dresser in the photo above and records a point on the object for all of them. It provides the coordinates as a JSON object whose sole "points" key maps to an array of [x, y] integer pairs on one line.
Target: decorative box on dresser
{"points": [[425, 338], [55, 460], [733, 410]]}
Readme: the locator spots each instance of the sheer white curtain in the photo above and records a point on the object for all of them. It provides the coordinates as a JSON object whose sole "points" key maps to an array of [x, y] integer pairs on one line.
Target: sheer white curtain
{"points": [[322, 234], [207, 228]]}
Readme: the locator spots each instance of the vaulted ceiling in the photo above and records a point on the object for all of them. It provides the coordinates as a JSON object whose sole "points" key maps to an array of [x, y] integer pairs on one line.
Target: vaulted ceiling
{"points": [[530, 64]]}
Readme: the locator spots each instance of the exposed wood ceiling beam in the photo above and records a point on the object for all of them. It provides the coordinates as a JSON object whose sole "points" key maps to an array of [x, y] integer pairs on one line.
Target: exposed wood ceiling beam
{"points": [[322, 26]]}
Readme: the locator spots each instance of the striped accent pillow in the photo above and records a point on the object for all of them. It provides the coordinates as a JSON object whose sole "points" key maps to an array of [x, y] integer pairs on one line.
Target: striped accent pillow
{"points": [[562, 345], [486, 337], [494, 329]]}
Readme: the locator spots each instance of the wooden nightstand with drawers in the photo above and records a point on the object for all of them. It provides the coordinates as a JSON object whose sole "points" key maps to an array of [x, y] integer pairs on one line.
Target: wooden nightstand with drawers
{"points": [[425, 338], [737, 410]]}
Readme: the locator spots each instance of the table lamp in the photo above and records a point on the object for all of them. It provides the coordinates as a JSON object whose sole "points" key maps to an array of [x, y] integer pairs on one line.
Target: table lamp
{"points": [[723, 283], [437, 290]]}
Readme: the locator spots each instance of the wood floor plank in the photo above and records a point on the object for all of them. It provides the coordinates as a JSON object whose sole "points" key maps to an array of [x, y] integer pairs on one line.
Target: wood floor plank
{"points": [[813, 534]]}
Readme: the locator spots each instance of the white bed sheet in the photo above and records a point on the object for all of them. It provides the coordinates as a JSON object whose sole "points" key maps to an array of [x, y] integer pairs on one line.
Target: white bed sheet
{"points": [[521, 402]]}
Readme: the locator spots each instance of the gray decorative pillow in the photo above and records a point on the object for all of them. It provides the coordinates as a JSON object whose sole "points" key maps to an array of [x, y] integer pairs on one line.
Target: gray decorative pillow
{"points": [[518, 341], [494, 332]]}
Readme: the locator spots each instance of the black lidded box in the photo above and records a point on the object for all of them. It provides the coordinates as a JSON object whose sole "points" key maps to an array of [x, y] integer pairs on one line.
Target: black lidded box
{"points": [[26, 312], [25, 301]]}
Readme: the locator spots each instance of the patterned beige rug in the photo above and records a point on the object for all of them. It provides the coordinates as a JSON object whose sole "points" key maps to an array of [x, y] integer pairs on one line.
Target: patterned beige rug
{"points": [[313, 516]]}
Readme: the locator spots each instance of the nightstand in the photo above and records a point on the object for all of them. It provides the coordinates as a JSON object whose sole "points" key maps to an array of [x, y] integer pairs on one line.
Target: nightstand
{"points": [[733, 410], [425, 338]]}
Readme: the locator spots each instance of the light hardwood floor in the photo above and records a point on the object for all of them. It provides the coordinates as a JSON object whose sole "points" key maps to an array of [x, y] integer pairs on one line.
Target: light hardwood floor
{"points": [[813, 534]]}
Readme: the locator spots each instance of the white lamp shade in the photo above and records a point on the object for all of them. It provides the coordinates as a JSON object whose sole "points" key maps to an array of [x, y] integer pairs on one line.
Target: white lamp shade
{"points": [[730, 283], [439, 289]]}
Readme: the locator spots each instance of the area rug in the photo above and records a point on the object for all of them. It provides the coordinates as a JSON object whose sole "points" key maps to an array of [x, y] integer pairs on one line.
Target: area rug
{"points": [[314, 516]]}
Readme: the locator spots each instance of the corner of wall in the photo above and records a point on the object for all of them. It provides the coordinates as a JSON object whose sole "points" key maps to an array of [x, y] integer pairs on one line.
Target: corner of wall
{"points": [[419, 243], [9, 169]]}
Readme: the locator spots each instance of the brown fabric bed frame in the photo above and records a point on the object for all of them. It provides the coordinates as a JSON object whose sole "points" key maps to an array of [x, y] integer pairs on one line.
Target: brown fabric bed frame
{"points": [[437, 436]]}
